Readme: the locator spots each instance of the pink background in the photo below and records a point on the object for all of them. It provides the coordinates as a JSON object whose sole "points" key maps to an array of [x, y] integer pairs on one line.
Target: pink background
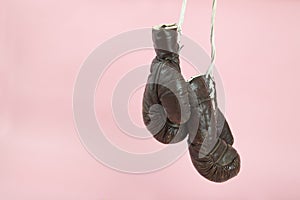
{"points": [[42, 45]]}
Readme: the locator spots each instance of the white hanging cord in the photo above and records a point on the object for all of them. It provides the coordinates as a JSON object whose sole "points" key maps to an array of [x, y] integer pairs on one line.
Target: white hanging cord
{"points": [[182, 13], [212, 40], [209, 73]]}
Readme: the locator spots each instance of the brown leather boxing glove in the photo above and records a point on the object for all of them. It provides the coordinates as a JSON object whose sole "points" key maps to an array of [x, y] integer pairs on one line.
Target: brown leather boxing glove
{"points": [[210, 138], [165, 102]]}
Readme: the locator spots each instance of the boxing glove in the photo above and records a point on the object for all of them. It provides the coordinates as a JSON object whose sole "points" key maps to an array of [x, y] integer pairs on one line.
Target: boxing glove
{"points": [[210, 138], [165, 101]]}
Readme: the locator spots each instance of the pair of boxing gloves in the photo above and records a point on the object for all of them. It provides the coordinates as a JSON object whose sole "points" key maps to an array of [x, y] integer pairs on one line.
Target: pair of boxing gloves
{"points": [[174, 109]]}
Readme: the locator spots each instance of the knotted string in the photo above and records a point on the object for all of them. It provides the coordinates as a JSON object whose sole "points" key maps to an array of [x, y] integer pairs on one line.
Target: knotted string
{"points": [[209, 72]]}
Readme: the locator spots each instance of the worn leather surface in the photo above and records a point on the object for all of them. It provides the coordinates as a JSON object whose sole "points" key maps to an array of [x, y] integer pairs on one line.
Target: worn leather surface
{"points": [[223, 128], [210, 137], [165, 102]]}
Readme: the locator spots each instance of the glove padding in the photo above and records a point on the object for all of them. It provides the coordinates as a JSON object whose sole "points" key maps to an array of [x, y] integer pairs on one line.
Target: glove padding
{"points": [[210, 138], [165, 101]]}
